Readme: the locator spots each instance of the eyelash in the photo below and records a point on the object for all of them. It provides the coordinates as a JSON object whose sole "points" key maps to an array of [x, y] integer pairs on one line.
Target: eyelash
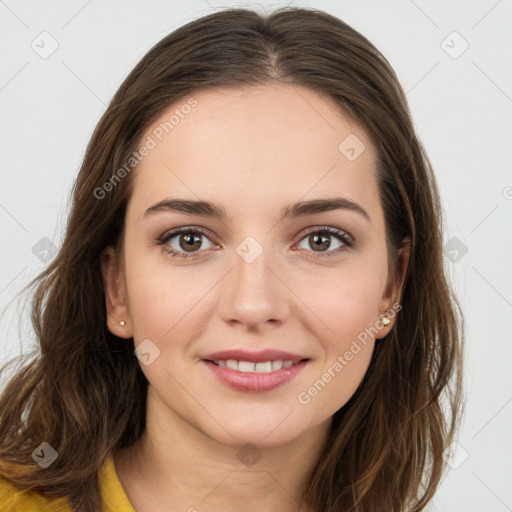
{"points": [[342, 236]]}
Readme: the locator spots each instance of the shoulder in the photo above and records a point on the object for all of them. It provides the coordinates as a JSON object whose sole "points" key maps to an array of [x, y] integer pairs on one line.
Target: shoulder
{"points": [[112, 492], [15, 499]]}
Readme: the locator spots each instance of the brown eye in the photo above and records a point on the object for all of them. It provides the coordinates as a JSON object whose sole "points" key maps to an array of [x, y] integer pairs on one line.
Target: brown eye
{"points": [[190, 241], [320, 240], [184, 242]]}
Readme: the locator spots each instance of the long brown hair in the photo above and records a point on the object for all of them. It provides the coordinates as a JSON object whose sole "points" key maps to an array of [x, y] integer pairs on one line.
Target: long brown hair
{"points": [[85, 394]]}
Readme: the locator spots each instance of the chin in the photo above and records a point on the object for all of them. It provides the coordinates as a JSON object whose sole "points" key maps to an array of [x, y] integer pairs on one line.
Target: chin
{"points": [[263, 434]]}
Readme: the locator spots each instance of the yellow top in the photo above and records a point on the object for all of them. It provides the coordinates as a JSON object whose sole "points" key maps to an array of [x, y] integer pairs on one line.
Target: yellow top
{"points": [[113, 498]]}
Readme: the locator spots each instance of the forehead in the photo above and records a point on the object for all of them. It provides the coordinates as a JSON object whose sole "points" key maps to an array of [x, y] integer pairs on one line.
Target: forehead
{"points": [[264, 143]]}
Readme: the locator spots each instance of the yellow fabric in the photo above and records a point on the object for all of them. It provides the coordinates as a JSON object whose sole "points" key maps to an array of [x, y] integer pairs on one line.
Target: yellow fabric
{"points": [[113, 497]]}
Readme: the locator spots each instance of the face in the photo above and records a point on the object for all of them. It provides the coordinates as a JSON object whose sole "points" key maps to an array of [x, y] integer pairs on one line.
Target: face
{"points": [[312, 283]]}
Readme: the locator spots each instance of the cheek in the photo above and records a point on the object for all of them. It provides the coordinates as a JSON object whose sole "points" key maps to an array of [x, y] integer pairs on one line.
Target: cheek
{"points": [[355, 309], [165, 302], [350, 313], [346, 301], [349, 307], [336, 384]]}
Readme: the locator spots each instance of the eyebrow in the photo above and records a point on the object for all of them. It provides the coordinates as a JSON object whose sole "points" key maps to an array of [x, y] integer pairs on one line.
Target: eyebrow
{"points": [[299, 209]]}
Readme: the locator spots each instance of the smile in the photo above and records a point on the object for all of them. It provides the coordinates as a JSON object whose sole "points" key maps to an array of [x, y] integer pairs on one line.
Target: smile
{"points": [[253, 377], [250, 367]]}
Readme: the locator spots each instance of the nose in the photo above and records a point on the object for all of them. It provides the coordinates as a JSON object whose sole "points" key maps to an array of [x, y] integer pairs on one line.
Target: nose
{"points": [[254, 294]]}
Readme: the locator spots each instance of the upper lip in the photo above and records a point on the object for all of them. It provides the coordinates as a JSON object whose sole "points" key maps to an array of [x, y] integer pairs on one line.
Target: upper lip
{"points": [[255, 357]]}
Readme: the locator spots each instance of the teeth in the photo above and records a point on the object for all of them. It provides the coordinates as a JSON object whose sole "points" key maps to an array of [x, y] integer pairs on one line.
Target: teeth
{"points": [[265, 367], [248, 367], [277, 365], [231, 363]]}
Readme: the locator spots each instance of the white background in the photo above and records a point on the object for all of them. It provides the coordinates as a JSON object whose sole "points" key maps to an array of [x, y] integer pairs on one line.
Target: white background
{"points": [[462, 109]]}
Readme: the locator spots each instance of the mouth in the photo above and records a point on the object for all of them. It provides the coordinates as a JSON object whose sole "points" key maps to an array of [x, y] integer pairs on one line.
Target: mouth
{"points": [[252, 367], [252, 377]]}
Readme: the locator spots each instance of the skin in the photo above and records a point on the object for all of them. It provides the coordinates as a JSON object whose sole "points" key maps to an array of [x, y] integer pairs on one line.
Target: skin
{"points": [[252, 150]]}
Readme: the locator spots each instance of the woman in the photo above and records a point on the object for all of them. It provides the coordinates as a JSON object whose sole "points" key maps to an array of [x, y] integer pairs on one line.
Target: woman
{"points": [[256, 221]]}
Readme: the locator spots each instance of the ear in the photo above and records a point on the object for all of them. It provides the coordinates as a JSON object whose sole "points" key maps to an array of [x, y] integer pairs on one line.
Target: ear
{"points": [[115, 294], [391, 298]]}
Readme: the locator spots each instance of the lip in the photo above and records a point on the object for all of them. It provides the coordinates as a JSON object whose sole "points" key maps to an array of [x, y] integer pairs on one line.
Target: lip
{"points": [[254, 382], [255, 357]]}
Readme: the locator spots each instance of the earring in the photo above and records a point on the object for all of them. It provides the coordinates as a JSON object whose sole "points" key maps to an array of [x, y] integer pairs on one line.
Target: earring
{"points": [[385, 320], [122, 322]]}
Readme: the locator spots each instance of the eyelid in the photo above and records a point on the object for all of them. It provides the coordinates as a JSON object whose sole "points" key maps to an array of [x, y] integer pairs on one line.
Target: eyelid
{"points": [[171, 233], [346, 238]]}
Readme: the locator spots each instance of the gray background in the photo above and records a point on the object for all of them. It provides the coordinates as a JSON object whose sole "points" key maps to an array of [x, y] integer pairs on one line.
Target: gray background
{"points": [[461, 102]]}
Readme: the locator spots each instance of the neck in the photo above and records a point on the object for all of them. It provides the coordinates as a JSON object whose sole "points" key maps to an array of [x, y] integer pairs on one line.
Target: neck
{"points": [[176, 466]]}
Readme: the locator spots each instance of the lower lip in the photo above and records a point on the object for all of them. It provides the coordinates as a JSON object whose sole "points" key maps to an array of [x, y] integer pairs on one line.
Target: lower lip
{"points": [[255, 382]]}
